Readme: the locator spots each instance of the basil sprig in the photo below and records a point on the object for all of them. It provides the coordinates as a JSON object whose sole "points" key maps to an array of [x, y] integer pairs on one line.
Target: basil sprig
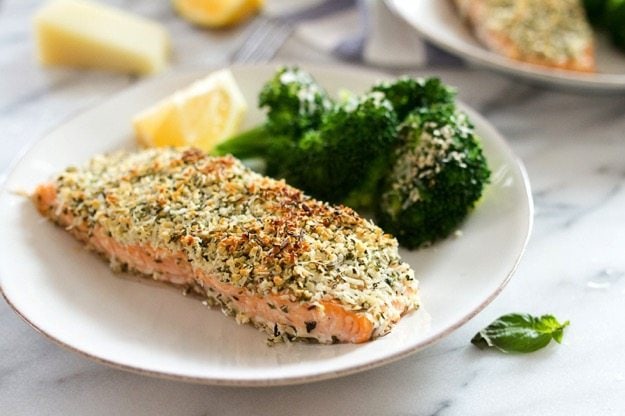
{"points": [[517, 332]]}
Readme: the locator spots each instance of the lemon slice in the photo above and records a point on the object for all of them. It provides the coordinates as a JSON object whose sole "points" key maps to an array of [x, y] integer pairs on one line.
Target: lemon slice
{"points": [[201, 115], [217, 13]]}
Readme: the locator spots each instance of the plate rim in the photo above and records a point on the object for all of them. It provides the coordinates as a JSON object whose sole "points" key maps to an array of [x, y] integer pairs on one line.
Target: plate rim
{"points": [[494, 135], [485, 58]]}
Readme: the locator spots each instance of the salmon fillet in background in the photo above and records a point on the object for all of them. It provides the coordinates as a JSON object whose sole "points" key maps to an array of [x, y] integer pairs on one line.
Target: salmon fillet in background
{"points": [[261, 250], [550, 33]]}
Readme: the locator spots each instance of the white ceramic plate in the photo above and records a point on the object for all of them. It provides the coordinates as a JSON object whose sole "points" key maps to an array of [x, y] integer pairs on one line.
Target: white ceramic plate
{"points": [[437, 21], [71, 296]]}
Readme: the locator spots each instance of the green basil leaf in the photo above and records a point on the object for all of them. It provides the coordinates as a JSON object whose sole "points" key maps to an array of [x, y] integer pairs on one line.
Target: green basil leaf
{"points": [[522, 333]]}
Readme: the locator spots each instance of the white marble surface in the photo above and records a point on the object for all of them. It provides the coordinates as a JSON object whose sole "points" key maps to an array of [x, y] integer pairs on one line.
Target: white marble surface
{"points": [[574, 149]]}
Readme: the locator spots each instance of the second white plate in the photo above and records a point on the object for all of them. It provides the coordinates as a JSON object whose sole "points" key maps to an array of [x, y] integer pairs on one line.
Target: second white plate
{"points": [[71, 296]]}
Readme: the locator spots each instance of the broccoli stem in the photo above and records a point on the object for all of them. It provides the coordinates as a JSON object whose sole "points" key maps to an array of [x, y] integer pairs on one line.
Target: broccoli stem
{"points": [[249, 144], [365, 196]]}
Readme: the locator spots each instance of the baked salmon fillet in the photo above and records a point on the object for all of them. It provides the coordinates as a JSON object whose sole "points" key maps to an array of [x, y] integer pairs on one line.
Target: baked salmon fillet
{"points": [[551, 33], [264, 252]]}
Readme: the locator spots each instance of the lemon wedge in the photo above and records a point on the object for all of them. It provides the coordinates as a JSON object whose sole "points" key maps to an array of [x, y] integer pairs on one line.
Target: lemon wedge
{"points": [[217, 13], [201, 115]]}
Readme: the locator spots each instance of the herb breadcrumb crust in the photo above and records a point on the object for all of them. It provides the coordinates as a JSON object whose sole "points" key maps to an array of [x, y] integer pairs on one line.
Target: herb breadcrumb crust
{"points": [[263, 251], [552, 33]]}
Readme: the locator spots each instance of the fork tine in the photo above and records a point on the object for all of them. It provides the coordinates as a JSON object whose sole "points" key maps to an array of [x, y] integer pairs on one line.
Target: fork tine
{"points": [[257, 42], [267, 50], [255, 35]]}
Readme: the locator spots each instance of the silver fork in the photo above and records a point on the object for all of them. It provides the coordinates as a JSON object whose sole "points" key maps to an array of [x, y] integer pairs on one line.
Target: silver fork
{"points": [[267, 34]]}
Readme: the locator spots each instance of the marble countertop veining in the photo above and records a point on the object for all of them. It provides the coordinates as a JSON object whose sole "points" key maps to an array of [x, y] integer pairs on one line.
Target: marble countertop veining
{"points": [[574, 149]]}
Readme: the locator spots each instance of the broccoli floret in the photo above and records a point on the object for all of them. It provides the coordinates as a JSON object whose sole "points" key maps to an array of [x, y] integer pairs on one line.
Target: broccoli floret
{"points": [[294, 101], [595, 10], [339, 152], [327, 149], [407, 94], [615, 22], [438, 174], [332, 161], [610, 16]]}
